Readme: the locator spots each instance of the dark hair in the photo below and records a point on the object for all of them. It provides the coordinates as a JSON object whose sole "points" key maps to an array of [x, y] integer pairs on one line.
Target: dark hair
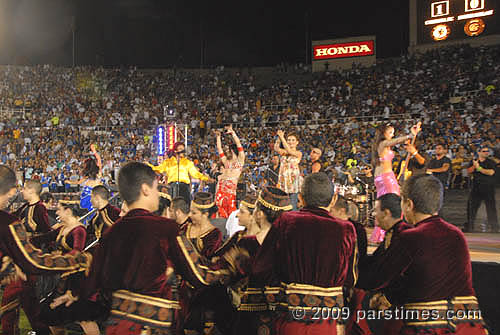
{"points": [[101, 191], [76, 210], [392, 202], [46, 197], [443, 144], [341, 202], [270, 215], [379, 137], [250, 198], [34, 184], [177, 144], [164, 203], [181, 204], [293, 134], [234, 148], [484, 146], [250, 210], [317, 190], [8, 179], [90, 168], [130, 179], [350, 207], [204, 195], [426, 192]]}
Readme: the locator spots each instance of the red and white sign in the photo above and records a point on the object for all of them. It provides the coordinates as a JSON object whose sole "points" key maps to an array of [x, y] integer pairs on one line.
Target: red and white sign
{"points": [[344, 50]]}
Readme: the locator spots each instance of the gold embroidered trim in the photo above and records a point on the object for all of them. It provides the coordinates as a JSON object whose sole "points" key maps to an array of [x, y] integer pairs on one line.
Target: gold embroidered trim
{"points": [[69, 202], [249, 205], [31, 222], [189, 259], [41, 255], [274, 207], [136, 317], [107, 220], [9, 307], [210, 205], [294, 288], [146, 299]]}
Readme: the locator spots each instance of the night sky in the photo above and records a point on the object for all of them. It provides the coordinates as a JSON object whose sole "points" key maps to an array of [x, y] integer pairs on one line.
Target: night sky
{"points": [[166, 33]]}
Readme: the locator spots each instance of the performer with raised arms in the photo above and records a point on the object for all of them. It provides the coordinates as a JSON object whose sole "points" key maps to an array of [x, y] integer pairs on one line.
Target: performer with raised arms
{"points": [[91, 173], [382, 155], [233, 159]]}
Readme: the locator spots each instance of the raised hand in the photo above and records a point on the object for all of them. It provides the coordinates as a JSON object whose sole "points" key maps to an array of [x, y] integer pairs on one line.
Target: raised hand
{"points": [[410, 148], [229, 129], [280, 133], [416, 128]]}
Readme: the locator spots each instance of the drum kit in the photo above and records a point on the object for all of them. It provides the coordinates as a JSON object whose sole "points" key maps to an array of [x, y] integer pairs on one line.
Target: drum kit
{"points": [[360, 194]]}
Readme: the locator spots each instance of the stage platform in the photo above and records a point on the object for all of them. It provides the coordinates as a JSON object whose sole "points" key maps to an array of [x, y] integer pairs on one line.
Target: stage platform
{"points": [[483, 247]]}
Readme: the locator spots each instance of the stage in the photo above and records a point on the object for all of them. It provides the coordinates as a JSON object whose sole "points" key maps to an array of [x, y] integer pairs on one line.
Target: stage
{"points": [[483, 247]]}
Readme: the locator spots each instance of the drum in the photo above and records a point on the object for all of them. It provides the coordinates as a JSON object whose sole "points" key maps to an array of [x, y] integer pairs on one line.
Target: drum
{"points": [[340, 189], [360, 198]]}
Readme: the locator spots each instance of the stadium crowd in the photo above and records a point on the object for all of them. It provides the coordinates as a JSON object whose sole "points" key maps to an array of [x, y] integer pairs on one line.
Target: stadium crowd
{"points": [[50, 115]]}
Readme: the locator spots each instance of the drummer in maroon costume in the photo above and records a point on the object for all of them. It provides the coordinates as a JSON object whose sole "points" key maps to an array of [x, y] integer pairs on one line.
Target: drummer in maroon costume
{"points": [[137, 260], [198, 317], [255, 313], [36, 220], [388, 214], [16, 248], [316, 256], [430, 264], [200, 231], [106, 215]]}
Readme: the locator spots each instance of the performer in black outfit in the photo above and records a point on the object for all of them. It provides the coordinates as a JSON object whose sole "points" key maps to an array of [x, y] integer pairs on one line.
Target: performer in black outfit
{"points": [[483, 189], [440, 165]]}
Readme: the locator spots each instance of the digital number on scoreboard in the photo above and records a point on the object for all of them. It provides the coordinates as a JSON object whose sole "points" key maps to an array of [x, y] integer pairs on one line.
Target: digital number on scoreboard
{"points": [[441, 20]]}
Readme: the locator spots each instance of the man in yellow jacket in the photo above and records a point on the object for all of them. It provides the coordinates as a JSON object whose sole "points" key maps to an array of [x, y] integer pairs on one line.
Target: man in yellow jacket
{"points": [[178, 171]]}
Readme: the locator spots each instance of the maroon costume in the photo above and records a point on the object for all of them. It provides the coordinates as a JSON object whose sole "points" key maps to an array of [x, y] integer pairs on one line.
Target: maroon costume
{"points": [[256, 313], [135, 266], [206, 244], [316, 256], [15, 243], [103, 220], [427, 267], [36, 220], [34, 217], [360, 298], [252, 315], [194, 303]]}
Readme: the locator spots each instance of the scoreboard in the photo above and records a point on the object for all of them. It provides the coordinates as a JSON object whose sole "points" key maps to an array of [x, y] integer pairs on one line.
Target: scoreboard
{"points": [[451, 20]]}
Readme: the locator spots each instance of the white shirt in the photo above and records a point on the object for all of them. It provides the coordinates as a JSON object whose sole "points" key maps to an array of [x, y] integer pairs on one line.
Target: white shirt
{"points": [[232, 225]]}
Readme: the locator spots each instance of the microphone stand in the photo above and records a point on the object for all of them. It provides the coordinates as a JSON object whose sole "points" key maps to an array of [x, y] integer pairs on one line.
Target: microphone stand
{"points": [[178, 172]]}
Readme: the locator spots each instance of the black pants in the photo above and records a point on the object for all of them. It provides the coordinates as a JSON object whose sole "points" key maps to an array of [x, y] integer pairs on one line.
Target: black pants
{"points": [[184, 191], [478, 194]]}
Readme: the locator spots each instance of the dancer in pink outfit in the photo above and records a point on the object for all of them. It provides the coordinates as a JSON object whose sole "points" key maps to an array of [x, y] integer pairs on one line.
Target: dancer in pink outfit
{"points": [[382, 155]]}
